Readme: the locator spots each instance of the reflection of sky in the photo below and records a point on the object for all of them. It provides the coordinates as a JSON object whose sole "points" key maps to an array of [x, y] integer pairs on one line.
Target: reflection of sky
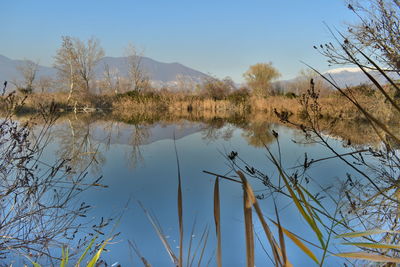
{"points": [[154, 183]]}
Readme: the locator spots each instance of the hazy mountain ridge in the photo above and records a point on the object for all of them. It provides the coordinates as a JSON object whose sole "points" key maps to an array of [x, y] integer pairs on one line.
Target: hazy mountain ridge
{"points": [[157, 71], [9, 71], [345, 77], [162, 73], [352, 77]]}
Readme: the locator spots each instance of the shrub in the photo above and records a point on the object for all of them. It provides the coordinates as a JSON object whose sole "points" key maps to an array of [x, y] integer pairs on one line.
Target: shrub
{"points": [[239, 96], [290, 95], [217, 89]]}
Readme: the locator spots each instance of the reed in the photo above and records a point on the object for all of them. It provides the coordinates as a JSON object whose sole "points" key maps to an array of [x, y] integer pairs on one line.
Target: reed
{"points": [[91, 263]]}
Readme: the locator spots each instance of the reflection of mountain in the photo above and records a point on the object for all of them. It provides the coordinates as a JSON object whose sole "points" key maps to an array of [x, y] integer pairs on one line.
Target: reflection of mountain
{"points": [[124, 133]]}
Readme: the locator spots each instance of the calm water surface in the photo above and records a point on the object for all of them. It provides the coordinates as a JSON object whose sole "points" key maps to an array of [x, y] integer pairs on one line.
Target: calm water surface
{"points": [[138, 164]]}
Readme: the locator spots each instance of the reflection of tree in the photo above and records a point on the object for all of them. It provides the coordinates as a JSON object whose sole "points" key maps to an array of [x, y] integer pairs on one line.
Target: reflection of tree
{"points": [[216, 129], [258, 133], [76, 143], [139, 135]]}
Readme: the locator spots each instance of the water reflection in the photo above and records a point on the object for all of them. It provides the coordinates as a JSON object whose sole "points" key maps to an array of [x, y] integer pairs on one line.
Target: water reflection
{"points": [[136, 157], [76, 143], [80, 135]]}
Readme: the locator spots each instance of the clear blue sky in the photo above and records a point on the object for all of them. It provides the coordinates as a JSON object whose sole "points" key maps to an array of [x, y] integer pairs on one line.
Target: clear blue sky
{"points": [[218, 37]]}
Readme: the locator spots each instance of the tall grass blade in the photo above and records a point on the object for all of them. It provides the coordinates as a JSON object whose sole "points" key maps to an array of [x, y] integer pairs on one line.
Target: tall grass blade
{"points": [[190, 243], [85, 252], [299, 243], [263, 248], [248, 223], [274, 246], [160, 235], [367, 233], [311, 216], [203, 248], [136, 249], [93, 261], [217, 221], [373, 245], [281, 237], [64, 260], [303, 189], [180, 218], [368, 257], [307, 216], [205, 231], [180, 208], [35, 264]]}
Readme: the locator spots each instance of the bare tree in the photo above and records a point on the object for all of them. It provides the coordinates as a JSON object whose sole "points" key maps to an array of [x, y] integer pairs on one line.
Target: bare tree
{"points": [[138, 78], [65, 63], [88, 55], [75, 62], [112, 80], [302, 83], [185, 83], [45, 83], [28, 72]]}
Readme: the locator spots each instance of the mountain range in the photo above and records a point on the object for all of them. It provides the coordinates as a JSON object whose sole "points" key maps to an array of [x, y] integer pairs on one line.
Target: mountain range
{"points": [[158, 72], [9, 69], [342, 77], [354, 76], [166, 73]]}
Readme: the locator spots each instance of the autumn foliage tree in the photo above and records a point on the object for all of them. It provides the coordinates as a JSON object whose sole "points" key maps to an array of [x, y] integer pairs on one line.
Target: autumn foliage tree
{"points": [[259, 78]]}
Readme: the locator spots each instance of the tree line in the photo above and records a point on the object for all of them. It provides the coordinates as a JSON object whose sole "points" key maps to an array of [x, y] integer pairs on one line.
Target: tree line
{"points": [[76, 60]]}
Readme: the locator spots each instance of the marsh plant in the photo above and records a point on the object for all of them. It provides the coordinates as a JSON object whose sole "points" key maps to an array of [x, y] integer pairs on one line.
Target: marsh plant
{"points": [[365, 215], [39, 199]]}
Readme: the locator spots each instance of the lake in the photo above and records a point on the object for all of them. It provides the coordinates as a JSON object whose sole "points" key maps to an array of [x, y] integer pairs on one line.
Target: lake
{"points": [[139, 165]]}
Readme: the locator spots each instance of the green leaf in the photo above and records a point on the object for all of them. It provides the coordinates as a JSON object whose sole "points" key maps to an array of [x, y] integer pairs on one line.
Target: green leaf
{"points": [[35, 264], [64, 260], [96, 257], [85, 252]]}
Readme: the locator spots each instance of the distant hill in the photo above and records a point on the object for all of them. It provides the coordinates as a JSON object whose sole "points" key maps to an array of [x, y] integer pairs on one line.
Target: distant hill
{"points": [[158, 72], [345, 77], [354, 76], [9, 72]]}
